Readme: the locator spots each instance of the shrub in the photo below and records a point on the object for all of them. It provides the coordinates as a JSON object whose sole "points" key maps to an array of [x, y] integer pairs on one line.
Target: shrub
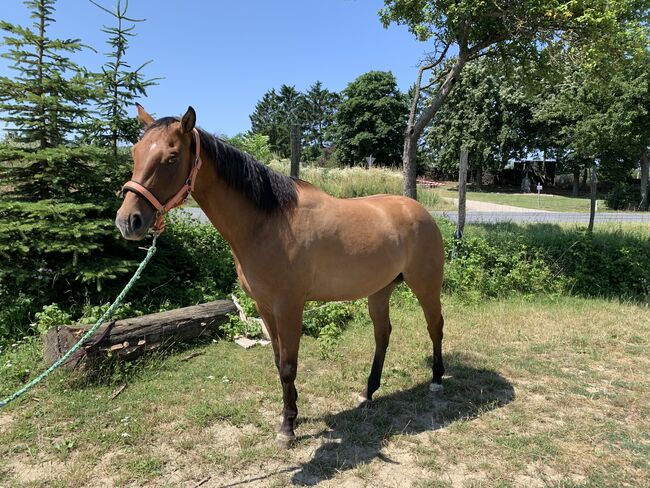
{"points": [[49, 265], [257, 145], [623, 197]]}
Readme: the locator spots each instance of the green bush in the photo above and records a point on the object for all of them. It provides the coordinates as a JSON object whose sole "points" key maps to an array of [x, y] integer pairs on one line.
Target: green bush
{"points": [[49, 263], [257, 145], [623, 197], [496, 260]]}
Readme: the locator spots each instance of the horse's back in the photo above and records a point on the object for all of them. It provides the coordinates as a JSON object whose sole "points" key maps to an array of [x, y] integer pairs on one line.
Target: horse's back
{"points": [[356, 246]]}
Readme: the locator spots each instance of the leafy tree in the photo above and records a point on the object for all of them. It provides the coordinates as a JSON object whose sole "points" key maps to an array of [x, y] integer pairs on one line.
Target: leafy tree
{"points": [[370, 120], [120, 86], [464, 30], [601, 118], [257, 145]]}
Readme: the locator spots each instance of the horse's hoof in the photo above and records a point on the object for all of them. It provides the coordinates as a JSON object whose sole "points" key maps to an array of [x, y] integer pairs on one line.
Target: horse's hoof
{"points": [[284, 441], [436, 387]]}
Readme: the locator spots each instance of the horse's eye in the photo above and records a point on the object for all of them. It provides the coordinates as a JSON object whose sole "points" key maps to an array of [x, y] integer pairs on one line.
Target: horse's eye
{"points": [[172, 160]]}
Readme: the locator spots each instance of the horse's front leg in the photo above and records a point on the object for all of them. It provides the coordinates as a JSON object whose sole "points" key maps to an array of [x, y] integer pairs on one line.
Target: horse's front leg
{"points": [[288, 321]]}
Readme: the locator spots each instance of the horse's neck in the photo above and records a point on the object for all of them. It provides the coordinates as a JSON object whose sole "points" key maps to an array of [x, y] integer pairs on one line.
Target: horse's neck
{"points": [[228, 210]]}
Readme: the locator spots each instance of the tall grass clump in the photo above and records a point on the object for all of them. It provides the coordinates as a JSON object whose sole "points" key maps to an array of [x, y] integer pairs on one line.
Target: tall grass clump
{"points": [[355, 181]]}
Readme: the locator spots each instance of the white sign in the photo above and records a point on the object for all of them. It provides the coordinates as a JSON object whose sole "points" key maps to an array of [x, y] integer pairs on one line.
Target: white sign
{"points": [[539, 187], [370, 160]]}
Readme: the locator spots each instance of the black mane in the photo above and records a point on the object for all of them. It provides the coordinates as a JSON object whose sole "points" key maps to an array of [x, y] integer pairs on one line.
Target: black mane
{"points": [[267, 189]]}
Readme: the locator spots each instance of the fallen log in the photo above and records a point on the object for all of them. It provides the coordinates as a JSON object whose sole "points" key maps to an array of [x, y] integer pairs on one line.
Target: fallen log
{"points": [[131, 337]]}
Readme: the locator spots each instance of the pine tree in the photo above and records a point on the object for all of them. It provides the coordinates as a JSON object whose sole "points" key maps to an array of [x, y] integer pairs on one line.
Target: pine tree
{"points": [[57, 198], [44, 105], [321, 107], [120, 85]]}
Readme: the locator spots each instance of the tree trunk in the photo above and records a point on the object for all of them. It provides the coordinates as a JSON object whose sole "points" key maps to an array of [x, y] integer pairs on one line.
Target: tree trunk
{"points": [[131, 337], [576, 181], [584, 178], [479, 177], [462, 193], [415, 126], [592, 207], [645, 170], [295, 150]]}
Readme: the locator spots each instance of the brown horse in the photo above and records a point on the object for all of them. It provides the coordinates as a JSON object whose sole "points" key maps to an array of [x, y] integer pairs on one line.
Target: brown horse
{"points": [[292, 242]]}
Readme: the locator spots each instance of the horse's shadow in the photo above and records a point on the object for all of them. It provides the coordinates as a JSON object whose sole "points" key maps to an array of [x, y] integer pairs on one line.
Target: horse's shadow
{"points": [[357, 436]]}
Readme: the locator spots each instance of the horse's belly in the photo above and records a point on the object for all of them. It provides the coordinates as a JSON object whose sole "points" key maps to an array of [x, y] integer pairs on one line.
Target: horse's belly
{"points": [[346, 279]]}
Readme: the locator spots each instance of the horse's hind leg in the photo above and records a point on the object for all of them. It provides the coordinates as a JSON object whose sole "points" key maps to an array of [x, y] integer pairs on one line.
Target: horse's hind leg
{"points": [[379, 313], [426, 287]]}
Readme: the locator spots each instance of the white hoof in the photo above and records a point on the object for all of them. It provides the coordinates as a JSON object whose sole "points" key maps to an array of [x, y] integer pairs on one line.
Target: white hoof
{"points": [[284, 441], [436, 388]]}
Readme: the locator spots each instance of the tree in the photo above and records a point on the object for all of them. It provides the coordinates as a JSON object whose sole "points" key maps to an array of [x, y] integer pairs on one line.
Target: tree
{"points": [[320, 109], [513, 29], [44, 105], [370, 120], [120, 85], [275, 113]]}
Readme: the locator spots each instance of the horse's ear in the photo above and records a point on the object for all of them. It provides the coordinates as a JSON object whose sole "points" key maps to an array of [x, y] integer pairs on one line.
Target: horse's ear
{"points": [[144, 116], [188, 121]]}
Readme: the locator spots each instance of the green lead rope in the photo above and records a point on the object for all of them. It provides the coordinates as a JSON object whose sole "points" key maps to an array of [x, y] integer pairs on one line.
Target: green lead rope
{"points": [[150, 252]]}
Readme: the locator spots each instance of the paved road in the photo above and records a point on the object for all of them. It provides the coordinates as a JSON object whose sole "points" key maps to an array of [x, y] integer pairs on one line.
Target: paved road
{"points": [[546, 217], [515, 217]]}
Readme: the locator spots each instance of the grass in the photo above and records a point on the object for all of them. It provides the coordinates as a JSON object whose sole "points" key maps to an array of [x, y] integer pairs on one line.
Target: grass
{"points": [[359, 182], [548, 202], [545, 391]]}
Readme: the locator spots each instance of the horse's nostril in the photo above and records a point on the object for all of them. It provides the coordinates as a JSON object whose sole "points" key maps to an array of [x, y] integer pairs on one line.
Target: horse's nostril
{"points": [[136, 221]]}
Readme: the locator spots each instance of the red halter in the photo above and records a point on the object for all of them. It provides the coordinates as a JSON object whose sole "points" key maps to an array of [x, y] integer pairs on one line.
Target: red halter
{"points": [[180, 196]]}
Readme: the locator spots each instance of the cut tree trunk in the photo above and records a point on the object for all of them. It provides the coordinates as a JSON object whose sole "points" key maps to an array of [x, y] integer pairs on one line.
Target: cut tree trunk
{"points": [[129, 338]]}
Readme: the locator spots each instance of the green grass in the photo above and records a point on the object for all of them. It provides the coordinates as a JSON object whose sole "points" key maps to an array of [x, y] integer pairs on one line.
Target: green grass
{"points": [[549, 202], [358, 182], [545, 391]]}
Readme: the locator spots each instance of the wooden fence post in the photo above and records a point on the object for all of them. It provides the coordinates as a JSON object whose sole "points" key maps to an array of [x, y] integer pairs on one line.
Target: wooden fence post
{"points": [[462, 193], [295, 150], [592, 207]]}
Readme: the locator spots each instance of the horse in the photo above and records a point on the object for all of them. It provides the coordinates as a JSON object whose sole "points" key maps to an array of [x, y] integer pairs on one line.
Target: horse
{"points": [[291, 242]]}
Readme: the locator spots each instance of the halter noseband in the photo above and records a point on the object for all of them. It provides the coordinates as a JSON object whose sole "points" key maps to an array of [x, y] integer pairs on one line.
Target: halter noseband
{"points": [[180, 196]]}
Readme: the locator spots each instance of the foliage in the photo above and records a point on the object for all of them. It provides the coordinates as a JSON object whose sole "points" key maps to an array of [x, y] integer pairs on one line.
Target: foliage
{"points": [[78, 270], [600, 119], [321, 106], [355, 182], [257, 145], [44, 103], [370, 120], [498, 260], [119, 85], [462, 31], [275, 113], [313, 111], [51, 316], [623, 197]]}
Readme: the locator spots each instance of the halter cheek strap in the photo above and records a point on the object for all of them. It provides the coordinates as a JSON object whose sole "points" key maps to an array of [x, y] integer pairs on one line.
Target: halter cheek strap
{"points": [[176, 200]]}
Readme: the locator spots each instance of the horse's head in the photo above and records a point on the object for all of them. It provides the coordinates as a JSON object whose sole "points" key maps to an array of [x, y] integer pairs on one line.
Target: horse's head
{"points": [[162, 161]]}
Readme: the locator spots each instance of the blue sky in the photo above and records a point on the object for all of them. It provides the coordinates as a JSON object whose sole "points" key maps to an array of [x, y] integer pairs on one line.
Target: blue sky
{"points": [[221, 56]]}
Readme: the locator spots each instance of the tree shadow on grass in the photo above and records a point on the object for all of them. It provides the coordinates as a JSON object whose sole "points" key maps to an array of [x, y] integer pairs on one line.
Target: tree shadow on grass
{"points": [[357, 436]]}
